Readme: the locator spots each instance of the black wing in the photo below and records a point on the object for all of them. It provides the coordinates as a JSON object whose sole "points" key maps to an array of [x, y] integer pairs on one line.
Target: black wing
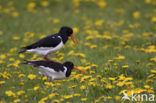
{"points": [[49, 41], [56, 66]]}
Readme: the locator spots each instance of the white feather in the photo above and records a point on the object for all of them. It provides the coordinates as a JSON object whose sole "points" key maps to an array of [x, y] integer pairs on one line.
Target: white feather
{"points": [[52, 73], [46, 50]]}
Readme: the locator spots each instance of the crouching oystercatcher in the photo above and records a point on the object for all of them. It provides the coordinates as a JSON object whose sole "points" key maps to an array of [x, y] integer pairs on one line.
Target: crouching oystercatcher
{"points": [[51, 43], [54, 70]]}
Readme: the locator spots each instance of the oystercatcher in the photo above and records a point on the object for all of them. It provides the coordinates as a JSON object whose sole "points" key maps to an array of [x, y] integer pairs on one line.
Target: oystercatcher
{"points": [[54, 70], [51, 43]]}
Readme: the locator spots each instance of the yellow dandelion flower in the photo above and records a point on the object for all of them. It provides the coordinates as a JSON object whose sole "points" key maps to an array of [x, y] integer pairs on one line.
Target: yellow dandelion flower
{"points": [[21, 75], [93, 46], [51, 95], [6, 10], [42, 36], [61, 58], [120, 57], [17, 101], [154, 19], [109, 86], [1, 32], [1, 62], [128, 83], [94, 65], [20, 92], [76, 30], [76, 3], [111, 78], [91, 72], [44, 78], [147, 34], [76, 11], [150, 91], [15, 14], [153, 71], [150, 49], [83, 99], [1, 7], [83, 87], [43, 100], [68, 96], [2, 82], [89, 37], [81, 55], [31, 5], [31, 76], [117, 97], [76, 94], [36, 88], [45, 3], [10, 93], [21, 56], [107, 37], [98, 76], [120, 84], [55, 20], [147, 1], [147, 86], [128, 78], [11, 59], [99, 22], [56, 101], [136, 15], [125, 66], [102, 4], [109, 97], [16, 38], [121, 77], [3, 56]]}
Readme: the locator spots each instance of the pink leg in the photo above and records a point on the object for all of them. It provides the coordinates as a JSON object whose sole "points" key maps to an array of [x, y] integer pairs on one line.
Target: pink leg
{"points": [[51, 81], [46, 58]]}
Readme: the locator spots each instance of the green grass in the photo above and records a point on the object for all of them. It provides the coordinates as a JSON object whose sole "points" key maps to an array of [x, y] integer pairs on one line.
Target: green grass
{"points": [[104, 55]]}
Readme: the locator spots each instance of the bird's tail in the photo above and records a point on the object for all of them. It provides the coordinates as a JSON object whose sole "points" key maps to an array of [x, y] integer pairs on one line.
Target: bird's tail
{"points": [[30, 63], [25, 62], [22, 51]]}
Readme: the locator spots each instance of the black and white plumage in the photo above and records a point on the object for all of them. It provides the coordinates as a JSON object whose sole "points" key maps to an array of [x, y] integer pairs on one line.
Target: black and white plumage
{"points": [[51, 43], [54, 70]]}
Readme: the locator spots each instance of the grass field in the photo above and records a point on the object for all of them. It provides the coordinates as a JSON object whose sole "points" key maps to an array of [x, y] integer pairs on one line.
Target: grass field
{"points": [[117, 49]]}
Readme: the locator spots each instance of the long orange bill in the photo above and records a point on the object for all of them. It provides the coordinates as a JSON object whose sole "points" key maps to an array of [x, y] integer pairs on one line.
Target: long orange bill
{"points": [[79, 69], [74, 39]]}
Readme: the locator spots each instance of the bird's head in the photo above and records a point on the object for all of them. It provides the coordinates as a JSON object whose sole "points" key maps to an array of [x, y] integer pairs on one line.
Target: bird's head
{"points": [[68, 32], [70, 66]]}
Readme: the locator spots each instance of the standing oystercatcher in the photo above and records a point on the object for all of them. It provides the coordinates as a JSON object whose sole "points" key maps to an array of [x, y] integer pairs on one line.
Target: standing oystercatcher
{"points": [[54, 70], [51, 43]]}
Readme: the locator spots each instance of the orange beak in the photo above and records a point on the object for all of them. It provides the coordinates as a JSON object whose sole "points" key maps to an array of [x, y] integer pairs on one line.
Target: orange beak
{"points": [[79, 69], [73, 38]]}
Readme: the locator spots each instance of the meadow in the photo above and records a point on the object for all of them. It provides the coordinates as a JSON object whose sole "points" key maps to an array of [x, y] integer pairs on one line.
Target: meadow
{"points": [[117, 49]]}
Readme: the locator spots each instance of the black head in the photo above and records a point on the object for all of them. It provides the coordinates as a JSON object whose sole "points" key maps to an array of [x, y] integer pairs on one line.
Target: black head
{"points": [[66, 31], [69, 65]]}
